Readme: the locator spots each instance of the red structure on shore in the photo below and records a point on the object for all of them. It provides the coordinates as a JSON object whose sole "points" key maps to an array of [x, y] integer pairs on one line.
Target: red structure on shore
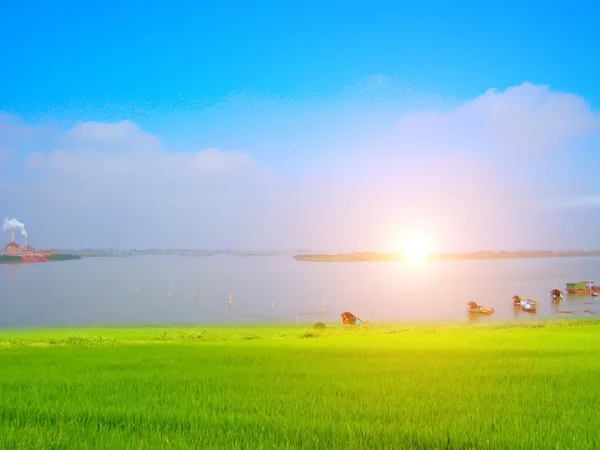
{"points": [[27, 254]]}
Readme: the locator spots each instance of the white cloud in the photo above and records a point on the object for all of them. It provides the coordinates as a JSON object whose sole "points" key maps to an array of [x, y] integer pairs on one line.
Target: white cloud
{"points": [[104, 132], [524, 118], [529, 117], [468, 175], [116, 137]]}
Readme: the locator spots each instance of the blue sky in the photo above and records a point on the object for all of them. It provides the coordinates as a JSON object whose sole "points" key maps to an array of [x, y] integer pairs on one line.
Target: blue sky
{"points": [[163, 57], [305, 95]]}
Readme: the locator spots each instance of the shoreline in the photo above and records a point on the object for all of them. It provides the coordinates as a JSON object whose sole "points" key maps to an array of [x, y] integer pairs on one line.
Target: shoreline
{"points": [[397, 257], [156, 334]]}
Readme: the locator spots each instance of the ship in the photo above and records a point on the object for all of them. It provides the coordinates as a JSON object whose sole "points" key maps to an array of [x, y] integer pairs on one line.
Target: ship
{"points": [[15, 253], [581, 287]]}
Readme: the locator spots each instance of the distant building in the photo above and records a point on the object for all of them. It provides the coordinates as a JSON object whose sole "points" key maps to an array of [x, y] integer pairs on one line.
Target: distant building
{"points": [[12, 248]]}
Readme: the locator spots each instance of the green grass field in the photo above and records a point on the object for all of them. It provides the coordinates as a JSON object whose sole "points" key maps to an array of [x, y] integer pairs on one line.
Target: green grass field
{"points": [[528, 386]]}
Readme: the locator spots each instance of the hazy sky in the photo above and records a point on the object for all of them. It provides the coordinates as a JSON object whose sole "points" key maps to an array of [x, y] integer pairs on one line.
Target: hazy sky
{"points": [[322, 125]]}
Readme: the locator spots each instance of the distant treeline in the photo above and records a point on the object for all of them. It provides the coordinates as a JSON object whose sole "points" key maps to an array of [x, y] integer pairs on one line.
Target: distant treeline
{"points": [[382, 257]]}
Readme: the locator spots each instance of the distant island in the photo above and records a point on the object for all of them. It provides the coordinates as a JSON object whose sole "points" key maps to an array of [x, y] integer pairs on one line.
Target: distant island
{"points": [[383, 257]]}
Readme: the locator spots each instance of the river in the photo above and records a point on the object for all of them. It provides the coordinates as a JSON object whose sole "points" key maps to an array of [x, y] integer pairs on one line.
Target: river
{"points": [[272, 289]]}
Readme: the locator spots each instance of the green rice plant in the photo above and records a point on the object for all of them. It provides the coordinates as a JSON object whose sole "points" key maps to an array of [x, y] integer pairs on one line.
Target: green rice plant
{"points": [[382, 387]]}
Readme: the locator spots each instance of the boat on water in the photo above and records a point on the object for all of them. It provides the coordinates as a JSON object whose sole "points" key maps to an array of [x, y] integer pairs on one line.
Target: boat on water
{"points": [[474, 308], [526, 304], [557, 295], [581, 287]]}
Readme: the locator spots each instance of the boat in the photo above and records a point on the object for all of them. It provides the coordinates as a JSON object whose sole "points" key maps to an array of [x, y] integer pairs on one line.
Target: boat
{"points": [[526, 304], [474, 308], [580, 287], [350, 319], [557, 295]]}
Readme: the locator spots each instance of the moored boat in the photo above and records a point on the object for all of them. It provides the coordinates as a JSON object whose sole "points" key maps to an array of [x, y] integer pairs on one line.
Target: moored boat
{"points": [[474, 308], [350, 319], [526, 304], [557, 294], [580, 287]]}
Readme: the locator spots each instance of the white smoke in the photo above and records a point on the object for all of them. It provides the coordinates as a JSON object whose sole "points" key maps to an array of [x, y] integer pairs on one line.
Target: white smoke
{"points": [[14, 224]]}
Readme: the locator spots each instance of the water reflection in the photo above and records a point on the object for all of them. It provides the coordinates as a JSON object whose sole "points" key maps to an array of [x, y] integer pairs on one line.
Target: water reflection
{"points": [[579, 304]]}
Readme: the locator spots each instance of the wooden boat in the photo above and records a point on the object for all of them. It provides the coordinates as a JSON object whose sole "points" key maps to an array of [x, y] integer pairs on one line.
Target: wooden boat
{"points": [[526, 304], [350, 319], [474, 308], [580, 287]]}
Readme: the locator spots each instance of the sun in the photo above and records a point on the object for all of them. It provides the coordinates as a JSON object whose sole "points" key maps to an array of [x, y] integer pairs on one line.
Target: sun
{"points": [[416, 248]]}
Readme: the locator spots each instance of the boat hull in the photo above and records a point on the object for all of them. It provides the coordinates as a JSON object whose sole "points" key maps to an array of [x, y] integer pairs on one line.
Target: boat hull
{"points": [[581, 287], [482, 310], [525, 304]]}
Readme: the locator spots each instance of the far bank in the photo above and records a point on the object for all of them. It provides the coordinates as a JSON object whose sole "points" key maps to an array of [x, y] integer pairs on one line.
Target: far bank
{"points": [[397, 256]]}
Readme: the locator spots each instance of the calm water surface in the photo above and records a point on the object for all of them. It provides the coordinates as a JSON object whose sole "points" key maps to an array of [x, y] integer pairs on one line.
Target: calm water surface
{"points": [[103, 290]]}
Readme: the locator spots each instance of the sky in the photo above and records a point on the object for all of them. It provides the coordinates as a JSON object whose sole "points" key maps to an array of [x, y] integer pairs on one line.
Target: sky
{"points": [[330, 126]]}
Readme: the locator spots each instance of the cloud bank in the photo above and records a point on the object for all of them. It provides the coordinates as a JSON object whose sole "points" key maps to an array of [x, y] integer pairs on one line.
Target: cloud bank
{"points": [[498, 171]]}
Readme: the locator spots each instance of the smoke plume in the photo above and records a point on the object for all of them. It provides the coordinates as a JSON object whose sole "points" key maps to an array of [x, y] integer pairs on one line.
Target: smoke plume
{"points": [[14, 224]]}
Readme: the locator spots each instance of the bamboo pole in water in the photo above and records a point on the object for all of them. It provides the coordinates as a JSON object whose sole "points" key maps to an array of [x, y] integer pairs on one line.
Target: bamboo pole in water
{"points": [[170, 293]]}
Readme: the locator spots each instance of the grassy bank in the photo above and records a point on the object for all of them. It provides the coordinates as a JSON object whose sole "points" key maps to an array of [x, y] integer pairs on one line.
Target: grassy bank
{"points": [[502, 386]]}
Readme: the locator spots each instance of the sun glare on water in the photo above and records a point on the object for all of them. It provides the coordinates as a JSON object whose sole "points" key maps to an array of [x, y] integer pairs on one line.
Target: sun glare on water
{"points": [[416, 248]]}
